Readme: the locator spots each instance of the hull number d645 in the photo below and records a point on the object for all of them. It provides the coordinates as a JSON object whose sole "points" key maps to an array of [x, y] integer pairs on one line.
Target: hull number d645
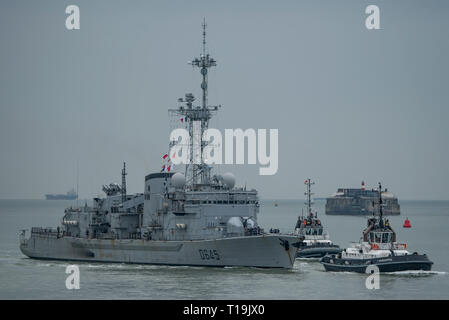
{"points": [[209, 254]]}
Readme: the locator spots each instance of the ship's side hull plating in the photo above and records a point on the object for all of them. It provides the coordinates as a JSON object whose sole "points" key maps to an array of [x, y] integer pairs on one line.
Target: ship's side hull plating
{"points": [[385, 264], [317, 251], [265, 251]]}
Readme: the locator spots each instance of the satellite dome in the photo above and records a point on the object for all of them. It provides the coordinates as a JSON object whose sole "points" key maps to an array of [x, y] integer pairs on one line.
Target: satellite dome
{"points": [[229, 180], [178, 180]]}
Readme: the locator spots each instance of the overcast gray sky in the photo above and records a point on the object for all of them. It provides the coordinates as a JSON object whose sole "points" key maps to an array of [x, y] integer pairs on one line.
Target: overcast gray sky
{"points": [[350, 104]]}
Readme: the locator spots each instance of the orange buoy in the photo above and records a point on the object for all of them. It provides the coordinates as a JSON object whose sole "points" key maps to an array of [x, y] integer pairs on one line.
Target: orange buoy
{"points": [[407, 223]]}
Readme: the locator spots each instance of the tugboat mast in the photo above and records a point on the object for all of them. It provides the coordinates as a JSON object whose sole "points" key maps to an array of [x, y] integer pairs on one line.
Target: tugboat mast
{"points": [[380, 204], [309, 194], [123, 189]]}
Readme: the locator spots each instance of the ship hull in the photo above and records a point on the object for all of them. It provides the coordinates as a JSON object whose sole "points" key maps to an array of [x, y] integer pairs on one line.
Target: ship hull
{"points": [[317, 251], [385, 264], [60, 197], [265, 251]]}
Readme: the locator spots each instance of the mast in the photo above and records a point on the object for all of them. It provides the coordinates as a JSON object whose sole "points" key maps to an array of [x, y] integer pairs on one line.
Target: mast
{"points": [[204, 62], [380, 202], [123, 189], [309, 194], [197, 118], [77, 180]]}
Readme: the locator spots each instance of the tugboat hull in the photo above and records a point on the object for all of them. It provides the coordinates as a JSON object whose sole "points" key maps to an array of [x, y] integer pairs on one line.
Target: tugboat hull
{"points": [[317, 251], [385, 264]]}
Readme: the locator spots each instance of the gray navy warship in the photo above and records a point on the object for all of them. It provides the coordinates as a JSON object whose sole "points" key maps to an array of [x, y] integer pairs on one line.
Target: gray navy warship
{"points": [[360, 201], [193, 218]]}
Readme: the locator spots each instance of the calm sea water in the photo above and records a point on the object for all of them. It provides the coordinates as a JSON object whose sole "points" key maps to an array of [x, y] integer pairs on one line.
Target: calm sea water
{"points": [[24, 278]]}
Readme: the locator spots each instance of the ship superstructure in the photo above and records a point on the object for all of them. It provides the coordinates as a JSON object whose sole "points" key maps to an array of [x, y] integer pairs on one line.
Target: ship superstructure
{"points": [[193, 217]]}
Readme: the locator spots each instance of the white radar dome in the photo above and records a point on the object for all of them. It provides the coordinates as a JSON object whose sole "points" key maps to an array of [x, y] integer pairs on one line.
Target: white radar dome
{"points": [[235, 226], [229, 180], [178, 180], [235, 222]]}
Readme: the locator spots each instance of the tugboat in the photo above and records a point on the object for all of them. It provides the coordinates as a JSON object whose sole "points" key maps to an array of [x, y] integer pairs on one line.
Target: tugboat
{"points": [[316, 243], [379, 248]]}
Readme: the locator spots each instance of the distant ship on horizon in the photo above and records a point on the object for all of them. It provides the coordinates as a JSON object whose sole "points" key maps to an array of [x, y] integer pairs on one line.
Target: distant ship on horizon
{"points": [[70, 195]]}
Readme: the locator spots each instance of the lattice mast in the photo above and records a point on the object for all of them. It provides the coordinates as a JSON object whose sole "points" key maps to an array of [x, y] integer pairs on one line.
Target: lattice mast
{"points": [[197, 120], [308, 195], [380, 202], [123, 188]]}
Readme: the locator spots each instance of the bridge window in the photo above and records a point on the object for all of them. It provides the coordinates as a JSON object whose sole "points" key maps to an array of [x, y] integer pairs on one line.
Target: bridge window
{"points": [[387, 237], [378, 237]]}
